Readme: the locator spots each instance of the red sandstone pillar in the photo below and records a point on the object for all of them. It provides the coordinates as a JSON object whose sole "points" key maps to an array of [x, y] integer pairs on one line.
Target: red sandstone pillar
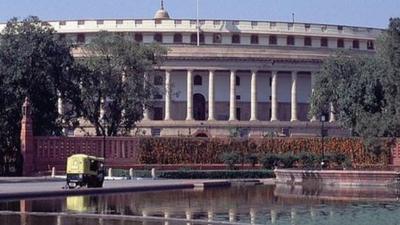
{"points": [[27, 140]]}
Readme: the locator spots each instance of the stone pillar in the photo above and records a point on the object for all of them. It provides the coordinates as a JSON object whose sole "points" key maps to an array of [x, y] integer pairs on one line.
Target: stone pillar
{"points": [[189, 109], [274, 96], [294, 97], [167, 95], [332, 117], [60, 104], [254, 102], [146, 110], [232, 96], [211, 92], [102, 110], [27, 140], [313, 77]]}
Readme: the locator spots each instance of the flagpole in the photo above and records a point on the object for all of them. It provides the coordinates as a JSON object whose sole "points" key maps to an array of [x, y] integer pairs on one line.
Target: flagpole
{"points": [[198, 25]]}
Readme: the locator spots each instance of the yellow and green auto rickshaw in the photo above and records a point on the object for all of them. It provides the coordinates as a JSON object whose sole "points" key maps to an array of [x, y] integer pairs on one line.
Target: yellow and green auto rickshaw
{"points": [[84, 170]]}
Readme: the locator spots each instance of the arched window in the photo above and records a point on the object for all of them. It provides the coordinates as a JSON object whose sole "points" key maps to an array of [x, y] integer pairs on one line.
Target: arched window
{"points": [[356, 44], [290, 40], [236, 39], [254, 39], [158, 80], [307, 41], [370, 45], [340, 43], [198, 80], [273, 40], [138, 37], [158, 38], [177, 38], [193, 38], [324, 42], [237, 81]]}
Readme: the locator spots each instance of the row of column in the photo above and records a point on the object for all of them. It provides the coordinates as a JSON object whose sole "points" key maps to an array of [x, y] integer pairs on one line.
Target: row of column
{"points": [[232, 97]]}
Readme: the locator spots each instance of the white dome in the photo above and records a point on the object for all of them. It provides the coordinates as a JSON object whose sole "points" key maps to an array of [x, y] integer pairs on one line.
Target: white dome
{"points": [[161, 15]]}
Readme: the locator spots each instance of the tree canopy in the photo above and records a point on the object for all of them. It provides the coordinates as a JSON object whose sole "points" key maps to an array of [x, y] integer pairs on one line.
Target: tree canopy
{"points": [[34, 64], [115, 80], [364, 89]]}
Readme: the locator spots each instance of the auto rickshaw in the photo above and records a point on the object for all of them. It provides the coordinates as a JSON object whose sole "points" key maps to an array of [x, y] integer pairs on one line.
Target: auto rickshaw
{"points": [[84, 170]]}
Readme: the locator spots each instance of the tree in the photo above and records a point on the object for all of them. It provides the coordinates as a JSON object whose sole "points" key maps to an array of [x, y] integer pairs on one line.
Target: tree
{"points": [[115, 81], [365, 90], [34, 64]]}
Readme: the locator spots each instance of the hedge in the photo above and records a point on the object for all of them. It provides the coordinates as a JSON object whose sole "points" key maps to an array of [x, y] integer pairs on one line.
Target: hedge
{"points": [[207, 151]]}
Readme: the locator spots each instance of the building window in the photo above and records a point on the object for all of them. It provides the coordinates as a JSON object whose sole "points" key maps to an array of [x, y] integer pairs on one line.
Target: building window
{"points": [[254, 23], [138, 22], [118, 22], [198, 80], [139, 37], [356, 44], [62, 23], [178, 22], [324, 42], [236, 39], [340, 28], [81, 39], [340, 43], [273, 40], [158, 38], [100, 22], [193, 22], [81, 22], [370, 45], [324, 28], [290, 40], [237, 81], [158, 80], [307, 27], [238, 114], [307, 41], [272, 25], [158, 113], [193, 38], [254, 39], [235, 22], [290, 26], [177, 38], [217, 22], [61, 37], [158, 96], [237, 97], [217, 38], [158, 21]]}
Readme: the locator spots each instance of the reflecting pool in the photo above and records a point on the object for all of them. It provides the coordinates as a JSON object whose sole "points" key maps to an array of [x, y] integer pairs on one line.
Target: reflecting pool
{"points": [[260, 204]]}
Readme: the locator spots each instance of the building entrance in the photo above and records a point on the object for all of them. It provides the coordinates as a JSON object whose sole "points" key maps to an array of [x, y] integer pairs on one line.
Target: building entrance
{"points": [[199, 107]]}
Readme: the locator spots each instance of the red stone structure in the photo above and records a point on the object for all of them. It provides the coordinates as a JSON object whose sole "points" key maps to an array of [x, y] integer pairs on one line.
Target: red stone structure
{"points": [[27, 140], [40, 154]]}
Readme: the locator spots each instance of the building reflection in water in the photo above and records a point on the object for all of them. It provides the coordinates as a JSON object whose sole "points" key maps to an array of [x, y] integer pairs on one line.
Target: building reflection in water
{"points": [[253, 205]]}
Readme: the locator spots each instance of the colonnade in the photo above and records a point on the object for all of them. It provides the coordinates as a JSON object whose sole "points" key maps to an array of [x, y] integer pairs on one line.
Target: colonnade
{"points": [[232, 96]]}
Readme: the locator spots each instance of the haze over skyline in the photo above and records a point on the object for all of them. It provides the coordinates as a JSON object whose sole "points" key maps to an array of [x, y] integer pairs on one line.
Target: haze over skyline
{"points": [[369, 13]]}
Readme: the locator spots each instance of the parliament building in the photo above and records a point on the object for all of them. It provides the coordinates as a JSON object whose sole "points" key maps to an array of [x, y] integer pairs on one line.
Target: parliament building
{"points": [[233, 77]]}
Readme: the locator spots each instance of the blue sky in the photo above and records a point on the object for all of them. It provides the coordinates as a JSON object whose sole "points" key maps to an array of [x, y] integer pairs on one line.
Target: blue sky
{"points": [[370, 13]]}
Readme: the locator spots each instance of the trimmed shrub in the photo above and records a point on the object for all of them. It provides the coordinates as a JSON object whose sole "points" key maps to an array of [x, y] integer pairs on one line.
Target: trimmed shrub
{"points": [[287, 160], [269, 161], [230, 159], [252, 159], [308, 160]]}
